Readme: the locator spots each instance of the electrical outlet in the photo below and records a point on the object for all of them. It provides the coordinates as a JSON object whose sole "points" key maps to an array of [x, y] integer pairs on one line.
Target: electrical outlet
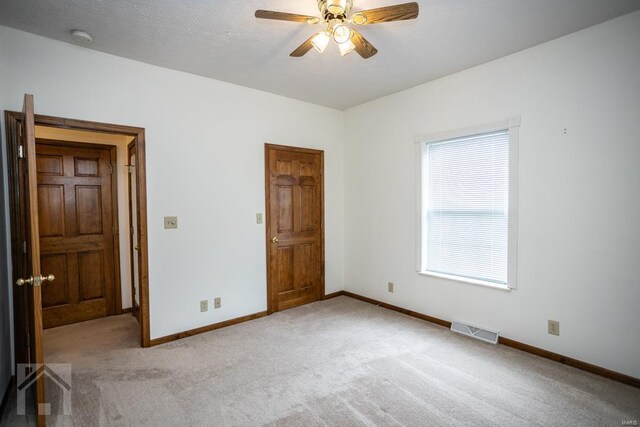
{"points": [[554, 327], [217, 302], [390, 287], [204, 306]]}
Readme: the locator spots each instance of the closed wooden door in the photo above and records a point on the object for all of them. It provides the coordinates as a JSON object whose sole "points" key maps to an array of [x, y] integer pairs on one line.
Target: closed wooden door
{"points": [[295, 226], [76, 215]]}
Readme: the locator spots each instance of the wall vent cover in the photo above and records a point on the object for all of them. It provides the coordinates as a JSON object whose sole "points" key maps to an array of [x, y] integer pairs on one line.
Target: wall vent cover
{"points": [[482, 334]]}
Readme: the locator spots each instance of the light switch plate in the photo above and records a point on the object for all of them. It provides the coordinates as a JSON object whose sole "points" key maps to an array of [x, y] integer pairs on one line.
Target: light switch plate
{"points": [[258, 218], [170, 222], [204, 305], [217, 302]]}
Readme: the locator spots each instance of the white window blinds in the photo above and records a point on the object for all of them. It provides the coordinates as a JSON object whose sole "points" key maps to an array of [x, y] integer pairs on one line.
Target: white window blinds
{"points": [[466, 220]]}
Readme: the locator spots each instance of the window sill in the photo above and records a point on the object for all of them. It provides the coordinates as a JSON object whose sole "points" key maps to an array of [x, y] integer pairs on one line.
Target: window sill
{"points": [[466, 280]]}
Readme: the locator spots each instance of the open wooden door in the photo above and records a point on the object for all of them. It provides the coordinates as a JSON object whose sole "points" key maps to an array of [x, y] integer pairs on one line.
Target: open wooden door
{"points": [[134, 244], [28, 288]]}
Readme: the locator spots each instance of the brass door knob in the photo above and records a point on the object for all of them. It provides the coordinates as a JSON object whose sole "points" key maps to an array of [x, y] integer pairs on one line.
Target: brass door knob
{"points": [[275, 239], [36, 281], [22, 282], [48, 278]]}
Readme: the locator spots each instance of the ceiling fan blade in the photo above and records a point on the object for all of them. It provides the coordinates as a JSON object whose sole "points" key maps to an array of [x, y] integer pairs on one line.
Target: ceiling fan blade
{"points": [[398, 12], [282, 16], [303, 48], [363, 47]]}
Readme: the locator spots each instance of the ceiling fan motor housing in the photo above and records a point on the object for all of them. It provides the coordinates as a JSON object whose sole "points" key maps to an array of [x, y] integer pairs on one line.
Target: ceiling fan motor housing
{"points": [[335, 9]]}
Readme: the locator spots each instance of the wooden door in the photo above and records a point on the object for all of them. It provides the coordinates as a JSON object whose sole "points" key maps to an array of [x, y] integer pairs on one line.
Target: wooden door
{"points": [[76, 213], [295, 226], [28, 288]]}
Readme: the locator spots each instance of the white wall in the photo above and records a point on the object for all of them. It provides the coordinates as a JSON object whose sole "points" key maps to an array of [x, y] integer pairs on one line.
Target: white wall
{"points": [[579, 193], [6, 300], [205, 164]]}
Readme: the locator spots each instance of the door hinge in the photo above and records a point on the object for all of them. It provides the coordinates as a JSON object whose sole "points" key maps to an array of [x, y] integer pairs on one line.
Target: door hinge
{"points": [[111, 168], [24, 246], [20, 152]]}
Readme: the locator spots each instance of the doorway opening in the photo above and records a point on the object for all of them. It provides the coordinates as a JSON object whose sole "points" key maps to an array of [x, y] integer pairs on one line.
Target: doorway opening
{"points": [[92, 216]]}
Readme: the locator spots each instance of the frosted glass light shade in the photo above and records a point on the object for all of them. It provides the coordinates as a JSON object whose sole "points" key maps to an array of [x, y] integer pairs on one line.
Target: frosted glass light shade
{"points": [[346, 47], [341, 33], [320, 41]]}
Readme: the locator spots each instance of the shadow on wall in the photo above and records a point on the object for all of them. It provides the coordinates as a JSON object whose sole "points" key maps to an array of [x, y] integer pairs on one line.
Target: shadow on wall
{"points": [[5, 288]]}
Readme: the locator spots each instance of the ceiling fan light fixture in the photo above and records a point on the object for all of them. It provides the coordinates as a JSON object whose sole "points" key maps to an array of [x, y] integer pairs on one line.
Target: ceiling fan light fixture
{"points": [[320, 41], [346, 47], [341, 34], [359, 18], [336, 7]]}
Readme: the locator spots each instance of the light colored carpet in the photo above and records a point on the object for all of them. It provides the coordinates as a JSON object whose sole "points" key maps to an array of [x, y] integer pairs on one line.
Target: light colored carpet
{"points": [[337, 362]]}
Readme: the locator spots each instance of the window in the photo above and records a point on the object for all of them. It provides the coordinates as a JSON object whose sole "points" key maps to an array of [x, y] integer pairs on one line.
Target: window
{"points": [[468, 206]]}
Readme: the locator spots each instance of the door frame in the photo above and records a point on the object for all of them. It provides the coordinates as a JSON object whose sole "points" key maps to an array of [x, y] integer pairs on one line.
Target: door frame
{"points": [[267, 170], [13, 120], [113, 158], [135, 309]]}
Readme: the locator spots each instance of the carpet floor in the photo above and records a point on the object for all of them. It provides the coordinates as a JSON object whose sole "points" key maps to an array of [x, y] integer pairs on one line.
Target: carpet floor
{"points": [[338, 362]]}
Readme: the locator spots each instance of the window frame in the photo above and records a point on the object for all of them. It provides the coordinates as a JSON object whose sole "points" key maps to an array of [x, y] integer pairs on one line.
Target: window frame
{"points": [[512, 124]]}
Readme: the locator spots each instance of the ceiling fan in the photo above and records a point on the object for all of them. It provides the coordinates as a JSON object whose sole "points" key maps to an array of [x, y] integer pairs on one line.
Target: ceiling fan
{"points": [[336, 15]]}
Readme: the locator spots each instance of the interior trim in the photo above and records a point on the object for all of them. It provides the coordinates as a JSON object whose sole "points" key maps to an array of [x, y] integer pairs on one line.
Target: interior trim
{"points": [[333, 295], [11, 120], [588, 367], [207, 328], [214, 326]]}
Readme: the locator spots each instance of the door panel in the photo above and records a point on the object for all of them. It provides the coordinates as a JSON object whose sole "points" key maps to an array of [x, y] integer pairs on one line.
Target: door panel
{"points": [[91, 275], [285, 208], [76, 216], [88, 209], [51, 200], [295, 232], [57, 291]]}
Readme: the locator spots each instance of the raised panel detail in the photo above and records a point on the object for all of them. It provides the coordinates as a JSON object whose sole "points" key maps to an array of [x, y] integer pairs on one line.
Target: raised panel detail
{"points": [[89, 209], [307, 208], [306, 263], [285, 208], [307, 169], [87, 166], [90, 275], [284, 167], [51, 210], [49, 164], [284, 267], [57, 292]]}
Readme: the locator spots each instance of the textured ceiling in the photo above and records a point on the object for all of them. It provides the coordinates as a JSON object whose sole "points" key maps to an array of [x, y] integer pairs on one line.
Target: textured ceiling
{"points": [[222, 39]]}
